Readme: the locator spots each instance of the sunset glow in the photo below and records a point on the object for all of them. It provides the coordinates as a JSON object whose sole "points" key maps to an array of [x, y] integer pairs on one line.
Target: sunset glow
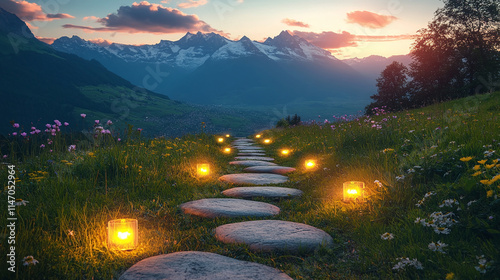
{"points": [[345, 28]]}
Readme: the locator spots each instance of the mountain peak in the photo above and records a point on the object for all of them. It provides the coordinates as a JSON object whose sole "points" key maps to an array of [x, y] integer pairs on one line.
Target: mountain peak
{"points": [[10, 23]]}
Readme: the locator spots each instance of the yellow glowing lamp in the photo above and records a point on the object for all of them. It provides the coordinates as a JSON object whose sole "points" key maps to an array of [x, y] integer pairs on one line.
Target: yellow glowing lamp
{"points": [[258, 136], [220, 139], [267, 141], [353, 190], [203, 169], [285, 152], [227, 135], [227, 150], [123, 234], [310, 164]]}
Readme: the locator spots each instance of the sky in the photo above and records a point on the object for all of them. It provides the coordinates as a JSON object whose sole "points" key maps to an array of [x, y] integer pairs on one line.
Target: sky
{"points": [[346, 28]]}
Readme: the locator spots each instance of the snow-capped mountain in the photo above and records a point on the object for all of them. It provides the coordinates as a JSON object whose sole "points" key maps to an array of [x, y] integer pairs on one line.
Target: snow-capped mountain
{"points": [[210, 69]]}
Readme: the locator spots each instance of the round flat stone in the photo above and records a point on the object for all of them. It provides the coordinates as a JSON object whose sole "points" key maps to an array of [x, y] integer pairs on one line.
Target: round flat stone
{"points": [[267, 191], [254, 158], [200, 266], [229, 208], [273, 235], [254, 179], [252, 163], [269, 169], [251, 154]]}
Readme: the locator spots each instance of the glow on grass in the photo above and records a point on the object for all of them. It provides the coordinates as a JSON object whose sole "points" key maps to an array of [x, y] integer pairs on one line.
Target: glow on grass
{"points": [[353, 190], [203, 169], [227, 150], [258, 136], [220, 140], [227, 135], [123, 234], [310, 164], [267, 141]]}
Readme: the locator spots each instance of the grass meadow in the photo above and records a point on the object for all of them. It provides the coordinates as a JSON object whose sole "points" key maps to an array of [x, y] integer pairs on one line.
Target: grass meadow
{"points": [[431, 208]]}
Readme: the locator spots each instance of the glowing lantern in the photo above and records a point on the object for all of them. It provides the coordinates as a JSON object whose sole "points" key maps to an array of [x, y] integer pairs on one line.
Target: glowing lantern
{"points": [[353, 190], [258, 136], [310, 164], [203, 169], [227, 150], [267, 141], [227, 135], [285, 152], [123, 234], [220, 140]]}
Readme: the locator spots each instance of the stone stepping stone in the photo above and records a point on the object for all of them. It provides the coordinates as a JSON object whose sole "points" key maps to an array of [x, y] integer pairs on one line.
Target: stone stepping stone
{"points": [[267, 191], [229, 208], [243, 144], [254, 179], [252, 163], [270, 169], [200, 266], [251, 151], [248, 148], [254, 158], [251, 154], [273, 235]]}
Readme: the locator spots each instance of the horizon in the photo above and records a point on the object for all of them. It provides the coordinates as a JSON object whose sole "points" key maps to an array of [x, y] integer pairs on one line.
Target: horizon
{"points": [[346, 29]]}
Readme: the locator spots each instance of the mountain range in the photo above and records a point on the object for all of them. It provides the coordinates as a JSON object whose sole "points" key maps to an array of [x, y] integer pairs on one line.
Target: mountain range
{"points": [[211, 69], [39, 84]]}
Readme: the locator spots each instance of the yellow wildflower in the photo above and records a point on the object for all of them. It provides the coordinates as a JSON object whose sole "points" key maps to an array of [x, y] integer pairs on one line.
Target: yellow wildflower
{"points": [[450, 276], [69, 163], [388, 150], [489, 193], [477, 173], [482, 161], [489, 166], [495, 161], [494, 179], [64, 161], [476, 167], [466, 159], [486, 182]]}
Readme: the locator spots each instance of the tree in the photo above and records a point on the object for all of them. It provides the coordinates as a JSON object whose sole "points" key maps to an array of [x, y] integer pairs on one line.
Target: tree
{"points": [[457, 50], [392, 89], [289, 121]]}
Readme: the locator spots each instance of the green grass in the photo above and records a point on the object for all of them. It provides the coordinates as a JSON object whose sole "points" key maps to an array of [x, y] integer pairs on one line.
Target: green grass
{"points": [[147, 179]]}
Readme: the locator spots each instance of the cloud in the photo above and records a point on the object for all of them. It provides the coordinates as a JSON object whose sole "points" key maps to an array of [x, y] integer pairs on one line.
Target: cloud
{"points": [[292, 22], [101, 42], [46, 40], [30, 11], [332, 40], [369, 19], [192, 4], [328, 39], [91, 18], [144, 17]]}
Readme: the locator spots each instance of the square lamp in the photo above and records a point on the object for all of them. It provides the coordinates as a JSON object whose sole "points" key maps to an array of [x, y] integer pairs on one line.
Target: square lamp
{"points": [[353, 190], [123, 234], [203, 169]]}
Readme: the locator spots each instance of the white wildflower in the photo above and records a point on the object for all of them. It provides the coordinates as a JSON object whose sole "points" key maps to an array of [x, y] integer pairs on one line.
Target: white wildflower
{"points": [[488, 153], [448, 203], [387, 236], [471, 202], [403, 262], [437, 247], [379, 184], [20, 202], [400, 177]]}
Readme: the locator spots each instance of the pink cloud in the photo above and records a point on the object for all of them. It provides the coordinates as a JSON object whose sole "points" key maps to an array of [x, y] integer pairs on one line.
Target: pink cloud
{"points": [[292, 22], [192, 4], [369, 19], [331, 40], [30, 11], [46, 40], [144, 17], [91, 18], [101, 42]]}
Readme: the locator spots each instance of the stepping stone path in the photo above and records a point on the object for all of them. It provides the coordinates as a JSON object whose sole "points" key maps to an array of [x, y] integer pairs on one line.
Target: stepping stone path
{"points": [[229, 208], [252, 163], [270, 192], [200, 266], [270, 169], [273, 235], [254, 179], [259, 235], [254, 158]]}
